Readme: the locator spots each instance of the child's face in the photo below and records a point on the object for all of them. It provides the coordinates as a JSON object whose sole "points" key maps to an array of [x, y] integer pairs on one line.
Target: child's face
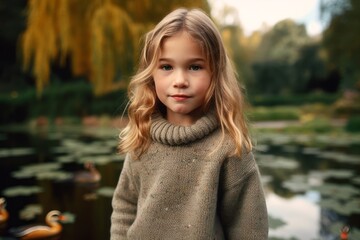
{"points": [[182, 78]]}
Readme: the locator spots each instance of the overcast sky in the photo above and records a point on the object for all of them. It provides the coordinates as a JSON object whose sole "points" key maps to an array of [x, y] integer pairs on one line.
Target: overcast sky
{"points": [[253, 14]]}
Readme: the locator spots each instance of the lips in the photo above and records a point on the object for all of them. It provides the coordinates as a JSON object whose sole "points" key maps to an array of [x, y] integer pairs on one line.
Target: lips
{"points": [[180, 97]]}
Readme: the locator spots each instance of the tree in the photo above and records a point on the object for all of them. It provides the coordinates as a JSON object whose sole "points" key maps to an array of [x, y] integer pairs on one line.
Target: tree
{"points": [[233, 36], [342, 39], [278, 52], [239, 47], [282, 42], [311, 73], [100, 38]]}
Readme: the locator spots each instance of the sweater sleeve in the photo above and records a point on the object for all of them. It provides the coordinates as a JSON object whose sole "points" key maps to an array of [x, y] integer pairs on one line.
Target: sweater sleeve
{"points": [[242, 207], [124, 203]]}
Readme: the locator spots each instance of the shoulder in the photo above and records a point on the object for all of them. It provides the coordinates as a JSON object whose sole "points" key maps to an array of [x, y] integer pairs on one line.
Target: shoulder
{"points": [[235, 169], [245, 162]]}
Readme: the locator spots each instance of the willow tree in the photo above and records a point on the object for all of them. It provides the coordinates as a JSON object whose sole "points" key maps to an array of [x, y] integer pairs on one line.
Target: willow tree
{"points": [[100, 38]]}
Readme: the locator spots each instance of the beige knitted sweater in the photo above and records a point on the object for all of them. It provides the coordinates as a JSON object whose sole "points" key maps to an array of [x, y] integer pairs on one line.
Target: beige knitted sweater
{"points": [[176, 190]]}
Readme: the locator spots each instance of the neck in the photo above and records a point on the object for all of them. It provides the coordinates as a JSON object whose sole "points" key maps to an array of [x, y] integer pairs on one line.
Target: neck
{"points": [[184, 119]]}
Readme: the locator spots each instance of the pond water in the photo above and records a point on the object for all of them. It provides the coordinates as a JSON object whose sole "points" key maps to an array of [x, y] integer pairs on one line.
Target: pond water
{"points": [[312, 183]]}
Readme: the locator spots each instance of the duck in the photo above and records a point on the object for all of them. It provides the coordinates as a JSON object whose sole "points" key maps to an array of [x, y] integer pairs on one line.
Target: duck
{"points": [[344, 233], [89, 175], [52, 228], [4, 215]]}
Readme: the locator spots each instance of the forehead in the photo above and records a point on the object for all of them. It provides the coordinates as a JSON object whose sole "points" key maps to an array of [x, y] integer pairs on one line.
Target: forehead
{"points": [[182, 43]]}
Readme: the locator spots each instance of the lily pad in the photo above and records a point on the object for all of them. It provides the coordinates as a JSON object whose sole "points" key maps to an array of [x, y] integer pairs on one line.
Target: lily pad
{"points": [[99, 160], [297, 183], [278, 139], [66, 159], [96, 149], [68, 217], [54, 175], [311, 150], [272, 161], [72, 144], [340, 157], [35, 169], [290, 148], [344, 140], [266, 178], [30, 211], [261, 148], [21, 191], [333, 173], [356, 180], [336, 191], [106, 191], [339, 173], [16, 152], [275, 223], [87, 149], [60, 149]]}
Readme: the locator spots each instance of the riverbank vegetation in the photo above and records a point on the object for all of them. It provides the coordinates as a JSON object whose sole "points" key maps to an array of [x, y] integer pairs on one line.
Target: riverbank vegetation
{"points": [[55, 77]]}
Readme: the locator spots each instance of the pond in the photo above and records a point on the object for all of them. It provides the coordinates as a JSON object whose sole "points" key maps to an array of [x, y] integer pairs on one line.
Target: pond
{"points": [[312, 183]]}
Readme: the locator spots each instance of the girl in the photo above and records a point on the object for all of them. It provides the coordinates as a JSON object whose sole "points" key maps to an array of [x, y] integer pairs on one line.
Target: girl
{"points": [[189, 172]]}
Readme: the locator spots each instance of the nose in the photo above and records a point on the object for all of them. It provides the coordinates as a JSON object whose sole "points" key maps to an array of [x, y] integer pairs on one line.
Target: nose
{"points": [[181, 79]]}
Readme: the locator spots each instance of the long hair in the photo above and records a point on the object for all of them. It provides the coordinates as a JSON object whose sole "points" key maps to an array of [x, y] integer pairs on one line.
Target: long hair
{"points": [[224, 94]]}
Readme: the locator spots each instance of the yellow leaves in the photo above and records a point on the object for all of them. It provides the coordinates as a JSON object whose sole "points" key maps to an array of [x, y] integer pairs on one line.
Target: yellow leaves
{"points": [[110, 29], [39, 44], [100, 38]]}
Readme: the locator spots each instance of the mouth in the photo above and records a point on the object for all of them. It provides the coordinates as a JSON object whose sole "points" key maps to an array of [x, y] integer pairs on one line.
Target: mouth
{"points": [[180, 97]]}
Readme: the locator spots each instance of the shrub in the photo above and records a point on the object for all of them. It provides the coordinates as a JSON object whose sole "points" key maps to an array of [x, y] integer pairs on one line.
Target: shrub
{"points": [[273, 114], [293, 100], [318, 125], [353, 124], [73, 99]]}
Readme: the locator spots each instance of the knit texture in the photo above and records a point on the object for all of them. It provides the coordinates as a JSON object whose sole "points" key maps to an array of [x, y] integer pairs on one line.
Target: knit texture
{"points": [[176, 190]]}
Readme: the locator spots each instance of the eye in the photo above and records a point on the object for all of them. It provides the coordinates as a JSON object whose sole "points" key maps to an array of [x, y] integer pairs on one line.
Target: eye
{"points": [[166, 67], [195, 67]]}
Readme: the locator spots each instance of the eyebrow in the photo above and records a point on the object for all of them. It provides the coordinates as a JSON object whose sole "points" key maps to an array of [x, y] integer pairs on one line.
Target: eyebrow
{"points": [[189, 60]]}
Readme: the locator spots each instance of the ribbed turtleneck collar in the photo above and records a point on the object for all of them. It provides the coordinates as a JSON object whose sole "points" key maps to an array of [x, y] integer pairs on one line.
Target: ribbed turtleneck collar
{"points": [[167, 133]]}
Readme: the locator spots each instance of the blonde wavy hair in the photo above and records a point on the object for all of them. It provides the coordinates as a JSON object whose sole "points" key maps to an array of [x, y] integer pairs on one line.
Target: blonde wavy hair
{"points": [[224, 94]]}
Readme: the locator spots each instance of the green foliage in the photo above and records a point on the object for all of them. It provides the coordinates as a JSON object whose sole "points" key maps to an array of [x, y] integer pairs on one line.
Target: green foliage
{"points": [[61, 100], [342, 38], [317, 125], [274, 114], [16, 107], [232, 35], [272, 77], [348, 105], [282, 42], [309, 68], [275, 63], [353, 124], [292, 100]]}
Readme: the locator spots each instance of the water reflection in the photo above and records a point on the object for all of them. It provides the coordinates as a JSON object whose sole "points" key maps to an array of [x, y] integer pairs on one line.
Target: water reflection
{"points": [[38, 170], [312, 183]]}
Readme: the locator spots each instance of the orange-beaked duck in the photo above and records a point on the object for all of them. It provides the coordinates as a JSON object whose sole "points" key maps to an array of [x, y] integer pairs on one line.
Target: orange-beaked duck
{"points": [[52, 228], [4, 215]]}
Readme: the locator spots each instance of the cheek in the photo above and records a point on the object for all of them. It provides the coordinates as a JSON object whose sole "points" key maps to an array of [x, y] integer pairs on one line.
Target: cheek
{"points": [[205, 84], [159, 88]]}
